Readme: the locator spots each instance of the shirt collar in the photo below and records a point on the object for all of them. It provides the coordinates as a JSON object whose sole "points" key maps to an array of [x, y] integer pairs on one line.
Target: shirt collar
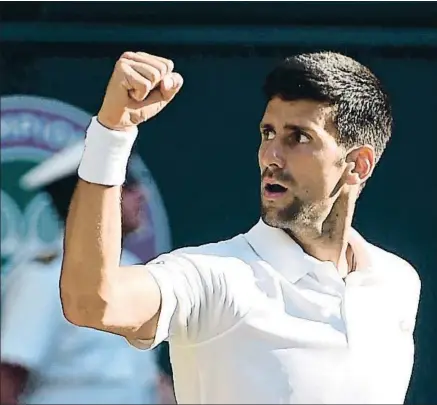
{"points": [[275, 247]]}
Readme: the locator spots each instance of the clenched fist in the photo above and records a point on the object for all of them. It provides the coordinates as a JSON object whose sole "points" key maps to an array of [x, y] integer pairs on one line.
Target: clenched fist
{"points": [[140, 87]]}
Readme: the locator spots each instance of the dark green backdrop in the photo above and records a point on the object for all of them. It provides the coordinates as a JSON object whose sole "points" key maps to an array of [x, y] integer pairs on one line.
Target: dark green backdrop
{"points": [[202, 149]]}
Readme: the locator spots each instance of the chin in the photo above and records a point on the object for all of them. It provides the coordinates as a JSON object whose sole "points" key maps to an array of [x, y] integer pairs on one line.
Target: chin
{"points": [[270, 216], [283, 216]]}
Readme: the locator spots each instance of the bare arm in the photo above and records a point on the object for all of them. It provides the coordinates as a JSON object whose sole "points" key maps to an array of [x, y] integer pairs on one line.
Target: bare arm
{"points": [[95, 291]]}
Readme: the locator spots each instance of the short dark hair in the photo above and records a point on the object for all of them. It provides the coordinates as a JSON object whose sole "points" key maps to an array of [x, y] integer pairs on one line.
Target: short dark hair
{"points": [[362, 111]]}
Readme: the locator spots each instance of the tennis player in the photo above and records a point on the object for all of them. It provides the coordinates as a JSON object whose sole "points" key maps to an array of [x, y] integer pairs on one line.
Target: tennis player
{"points": [[298, 309]]}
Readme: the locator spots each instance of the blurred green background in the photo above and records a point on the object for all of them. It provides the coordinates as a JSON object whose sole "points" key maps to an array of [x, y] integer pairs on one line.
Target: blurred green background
{"points": [[202, 149]]}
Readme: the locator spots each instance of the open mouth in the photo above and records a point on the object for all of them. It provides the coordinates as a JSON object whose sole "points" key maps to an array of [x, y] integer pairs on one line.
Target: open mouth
{"points": [[274, 188]]}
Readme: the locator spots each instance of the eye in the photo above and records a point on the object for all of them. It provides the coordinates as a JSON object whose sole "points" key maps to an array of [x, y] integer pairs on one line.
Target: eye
{"points": [[267, 134], [302, 137]]}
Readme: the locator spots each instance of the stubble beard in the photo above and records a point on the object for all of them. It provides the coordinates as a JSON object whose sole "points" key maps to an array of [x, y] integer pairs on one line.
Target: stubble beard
{"points": [[296, 218]]}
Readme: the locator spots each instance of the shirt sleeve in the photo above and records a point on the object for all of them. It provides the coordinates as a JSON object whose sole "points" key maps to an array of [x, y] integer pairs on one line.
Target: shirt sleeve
{"points": [[198, 301], [29, 315]]}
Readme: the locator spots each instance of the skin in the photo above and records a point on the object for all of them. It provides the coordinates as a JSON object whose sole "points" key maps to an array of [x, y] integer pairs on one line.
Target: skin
{"points": [[299, 150], [323, 180], [95, 290]]}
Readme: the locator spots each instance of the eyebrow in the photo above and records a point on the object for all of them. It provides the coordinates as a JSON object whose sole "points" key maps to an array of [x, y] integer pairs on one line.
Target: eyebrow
{"points": [[290, 127]]}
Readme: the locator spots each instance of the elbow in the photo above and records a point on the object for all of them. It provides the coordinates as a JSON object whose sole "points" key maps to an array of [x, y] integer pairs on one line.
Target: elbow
{"points": [[82, 305], [69, 291], [72, 307], [85, 310], [71, 311]]}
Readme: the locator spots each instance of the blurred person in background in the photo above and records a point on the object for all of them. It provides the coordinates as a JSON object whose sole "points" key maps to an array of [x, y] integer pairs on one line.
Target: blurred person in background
{"points": [[166, 394], [44, 358]]}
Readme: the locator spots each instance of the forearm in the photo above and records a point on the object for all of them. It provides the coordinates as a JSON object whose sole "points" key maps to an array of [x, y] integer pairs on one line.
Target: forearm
{"points": [[92, 247], [93, 228]]}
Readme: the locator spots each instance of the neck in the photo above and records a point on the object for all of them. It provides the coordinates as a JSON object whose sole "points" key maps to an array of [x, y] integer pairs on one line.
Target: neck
{"points": [[327, 240]]}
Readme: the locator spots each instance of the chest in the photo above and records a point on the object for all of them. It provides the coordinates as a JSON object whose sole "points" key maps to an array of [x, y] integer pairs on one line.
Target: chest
{"points": [[362, 311], [319, 344]]}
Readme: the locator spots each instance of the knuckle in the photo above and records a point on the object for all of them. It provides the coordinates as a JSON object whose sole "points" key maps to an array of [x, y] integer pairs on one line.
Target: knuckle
{"points": [[121, 64], [154, 74], [145, 86], [170, 65], [122, 67], [127, 55], [162, 67]]}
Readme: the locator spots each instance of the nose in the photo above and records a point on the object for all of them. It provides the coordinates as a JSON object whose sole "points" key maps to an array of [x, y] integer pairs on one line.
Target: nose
{"points": [[271, 155]]}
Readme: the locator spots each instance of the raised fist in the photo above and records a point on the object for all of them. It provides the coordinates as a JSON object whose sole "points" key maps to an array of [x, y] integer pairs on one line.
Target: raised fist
{"points": [[140, 87]]}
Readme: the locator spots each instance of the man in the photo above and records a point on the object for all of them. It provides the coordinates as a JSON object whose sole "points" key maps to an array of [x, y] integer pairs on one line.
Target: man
{"points": [[165, 387], [299, 309], [55, 362]]}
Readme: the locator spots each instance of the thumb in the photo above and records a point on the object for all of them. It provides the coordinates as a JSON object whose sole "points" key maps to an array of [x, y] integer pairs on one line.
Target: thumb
{"points": [[170, 85]]}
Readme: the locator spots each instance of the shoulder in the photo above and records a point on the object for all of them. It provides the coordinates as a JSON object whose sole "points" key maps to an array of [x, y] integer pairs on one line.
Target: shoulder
{"points": [[396, 268], [229, 258], [236, 247], [402, 280], [219, 255]]}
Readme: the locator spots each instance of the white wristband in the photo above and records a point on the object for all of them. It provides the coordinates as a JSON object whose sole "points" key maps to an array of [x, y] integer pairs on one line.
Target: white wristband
{"points": [[106, 154]]}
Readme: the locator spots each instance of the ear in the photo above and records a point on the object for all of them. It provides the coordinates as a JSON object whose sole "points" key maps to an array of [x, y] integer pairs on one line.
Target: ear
{"points": [[360, 163]]}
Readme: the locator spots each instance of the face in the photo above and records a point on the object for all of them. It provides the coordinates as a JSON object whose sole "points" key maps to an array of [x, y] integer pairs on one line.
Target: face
{"points": [[303, 168], [131, 203]]}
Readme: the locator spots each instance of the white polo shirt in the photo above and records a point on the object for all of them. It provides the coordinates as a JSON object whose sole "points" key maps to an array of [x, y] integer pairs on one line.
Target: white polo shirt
{"points": [[67, 364], [255, 320]]}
